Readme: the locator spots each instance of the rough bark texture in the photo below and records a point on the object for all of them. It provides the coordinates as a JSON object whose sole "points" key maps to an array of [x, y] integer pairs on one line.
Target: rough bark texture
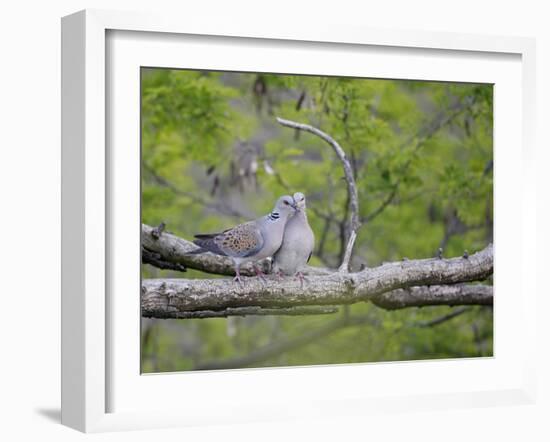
{"points": [[156, 260], [181, 295], [459, 294], [161, 311]]}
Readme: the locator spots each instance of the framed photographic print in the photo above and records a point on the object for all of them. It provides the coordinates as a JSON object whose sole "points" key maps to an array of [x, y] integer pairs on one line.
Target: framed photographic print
{"points": [[254, 213]]}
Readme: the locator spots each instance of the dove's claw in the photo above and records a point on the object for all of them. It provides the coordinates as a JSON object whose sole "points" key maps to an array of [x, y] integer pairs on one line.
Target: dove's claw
{"points": [[260, 274], [302, 278], [237, 277]]}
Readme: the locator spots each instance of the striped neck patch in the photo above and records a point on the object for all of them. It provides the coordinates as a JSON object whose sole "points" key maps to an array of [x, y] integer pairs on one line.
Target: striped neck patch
{"points": [[273, 216]]}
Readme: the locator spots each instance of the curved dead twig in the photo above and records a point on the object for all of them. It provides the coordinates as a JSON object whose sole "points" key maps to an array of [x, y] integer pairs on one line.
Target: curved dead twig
{"points": [[354, 222]]}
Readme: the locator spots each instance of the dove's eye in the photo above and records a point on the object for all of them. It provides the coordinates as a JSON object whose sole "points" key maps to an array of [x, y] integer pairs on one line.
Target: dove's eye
{"points": [[286, 202]]}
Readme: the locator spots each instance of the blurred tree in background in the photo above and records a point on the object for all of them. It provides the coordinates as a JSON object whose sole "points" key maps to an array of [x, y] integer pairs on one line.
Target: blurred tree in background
{"points": [[213, 155]]}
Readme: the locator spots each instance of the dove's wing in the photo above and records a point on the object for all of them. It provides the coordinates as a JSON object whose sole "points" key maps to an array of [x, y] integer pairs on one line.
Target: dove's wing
{"points": [[241, 241]]}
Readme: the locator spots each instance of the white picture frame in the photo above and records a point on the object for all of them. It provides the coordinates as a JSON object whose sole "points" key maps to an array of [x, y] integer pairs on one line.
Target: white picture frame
{"points": [[88, 317]]}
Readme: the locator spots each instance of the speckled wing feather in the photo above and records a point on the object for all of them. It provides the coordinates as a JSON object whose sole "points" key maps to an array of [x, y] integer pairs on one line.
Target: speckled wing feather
{"points": [[241, 241]]}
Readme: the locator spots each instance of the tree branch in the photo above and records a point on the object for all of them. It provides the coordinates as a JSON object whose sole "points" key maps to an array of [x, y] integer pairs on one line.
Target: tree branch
{"points": [[435, 295], [160, 311], [379, 285], [167, 251], [155, 259], [354, 222], [441, 319]]}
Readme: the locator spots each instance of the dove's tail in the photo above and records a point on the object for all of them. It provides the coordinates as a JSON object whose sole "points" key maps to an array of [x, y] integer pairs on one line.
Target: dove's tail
{"points": [[207, 243], [197, 251], [206, 235]]}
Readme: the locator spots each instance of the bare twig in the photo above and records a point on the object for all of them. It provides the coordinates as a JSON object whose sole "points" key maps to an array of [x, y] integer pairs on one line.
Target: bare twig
{"points": [[157, 231], [441, 319], [354, 222], [387, 201]]}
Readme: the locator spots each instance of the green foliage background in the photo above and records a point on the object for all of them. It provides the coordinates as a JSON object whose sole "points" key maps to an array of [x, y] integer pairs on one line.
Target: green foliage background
{"points": [[213, 155]]}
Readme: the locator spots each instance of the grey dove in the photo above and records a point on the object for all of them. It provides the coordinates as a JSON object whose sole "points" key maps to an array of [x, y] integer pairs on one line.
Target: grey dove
{"points": [[251, 241], [298, 242]]}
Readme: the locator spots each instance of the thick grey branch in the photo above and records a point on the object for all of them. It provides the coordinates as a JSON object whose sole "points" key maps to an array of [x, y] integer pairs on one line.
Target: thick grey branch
{"points": [[155, 259], [182, 295], [435, 295], [163, 311], [354, 222]]}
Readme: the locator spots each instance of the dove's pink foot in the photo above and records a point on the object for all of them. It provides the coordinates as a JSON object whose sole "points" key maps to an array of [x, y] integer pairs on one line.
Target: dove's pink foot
{"points": [[237, 277], [301, 277], [259, 273]]}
